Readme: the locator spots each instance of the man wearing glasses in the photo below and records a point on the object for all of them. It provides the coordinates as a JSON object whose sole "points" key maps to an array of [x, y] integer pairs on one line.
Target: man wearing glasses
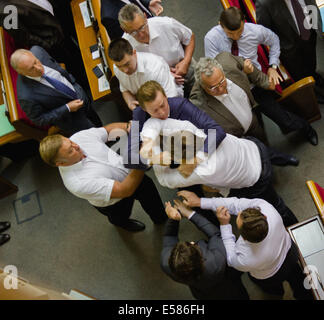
{"points": [[222, 90], [163, 36]]}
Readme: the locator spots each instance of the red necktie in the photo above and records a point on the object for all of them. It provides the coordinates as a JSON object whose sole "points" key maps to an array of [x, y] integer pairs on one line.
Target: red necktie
{"points": [[235, 49], [300, 17]]}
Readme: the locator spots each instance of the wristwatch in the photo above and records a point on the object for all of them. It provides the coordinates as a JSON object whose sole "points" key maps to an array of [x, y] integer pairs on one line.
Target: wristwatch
{"points": [[274, 66]]}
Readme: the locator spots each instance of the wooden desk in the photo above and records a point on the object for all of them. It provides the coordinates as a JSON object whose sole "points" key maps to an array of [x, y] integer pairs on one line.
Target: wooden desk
{"points": [[86, 38], [6, 188], [309, 238]]}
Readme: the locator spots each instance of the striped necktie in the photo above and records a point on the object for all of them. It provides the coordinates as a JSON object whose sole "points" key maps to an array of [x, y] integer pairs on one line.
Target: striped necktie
{"points": [[60, 86]]}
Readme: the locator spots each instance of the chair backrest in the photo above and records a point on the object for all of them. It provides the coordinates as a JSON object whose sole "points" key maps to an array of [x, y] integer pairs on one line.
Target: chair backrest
{"points": [[317, 193]]}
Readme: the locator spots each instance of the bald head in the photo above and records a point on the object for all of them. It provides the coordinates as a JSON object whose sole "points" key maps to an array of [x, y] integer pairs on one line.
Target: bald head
{"points": [[26, 64]]}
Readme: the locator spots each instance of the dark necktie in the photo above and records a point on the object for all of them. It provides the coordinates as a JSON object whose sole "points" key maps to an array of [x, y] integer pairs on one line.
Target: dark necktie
{"points": [[300, 17], [235, 49], [60, 86]]}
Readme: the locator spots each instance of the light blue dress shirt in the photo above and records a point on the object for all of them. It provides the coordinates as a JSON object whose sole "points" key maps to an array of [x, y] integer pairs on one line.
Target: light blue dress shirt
{"points": [[216, 41]]}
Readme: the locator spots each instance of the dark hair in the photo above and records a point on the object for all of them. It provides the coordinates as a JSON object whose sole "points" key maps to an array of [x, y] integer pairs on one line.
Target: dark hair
{"points": [[186, 261], [118, 48], [254, 225], [231, 18]]}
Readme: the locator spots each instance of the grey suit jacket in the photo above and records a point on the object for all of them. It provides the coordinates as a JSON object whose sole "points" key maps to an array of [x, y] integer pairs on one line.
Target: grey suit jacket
{"points": [[218, 281], [233, 69], [44, 105]]}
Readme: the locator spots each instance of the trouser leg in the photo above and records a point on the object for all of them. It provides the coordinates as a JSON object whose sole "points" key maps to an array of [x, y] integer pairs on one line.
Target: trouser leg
{"points": [[150, 200], [286, 120]]}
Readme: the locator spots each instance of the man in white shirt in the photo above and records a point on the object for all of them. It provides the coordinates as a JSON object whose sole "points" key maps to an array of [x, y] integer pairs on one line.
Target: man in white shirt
{"points": [[135, 68], [264, 248], [91, 170], [163, 36]]}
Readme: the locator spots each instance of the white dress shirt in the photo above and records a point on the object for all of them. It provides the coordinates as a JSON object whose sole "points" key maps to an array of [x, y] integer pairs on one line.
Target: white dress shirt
{"points": [[167, 38], [216, 41], [262, 260], [149, 67], [93, 177], [235, 164], [238, 103], [45, 4]]}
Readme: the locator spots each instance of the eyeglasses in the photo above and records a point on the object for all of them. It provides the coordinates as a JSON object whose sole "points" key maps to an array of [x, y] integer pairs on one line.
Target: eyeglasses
{"points": [[217, 85], [141, 29]]}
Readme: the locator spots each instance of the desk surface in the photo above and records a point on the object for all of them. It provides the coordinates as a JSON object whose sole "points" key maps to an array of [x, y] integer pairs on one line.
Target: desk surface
{"points": [[87, 37]]}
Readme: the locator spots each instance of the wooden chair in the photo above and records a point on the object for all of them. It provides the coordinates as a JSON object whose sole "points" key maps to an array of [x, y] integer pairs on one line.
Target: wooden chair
{"points": [[25, 129], [317, 194], [297, 97]]}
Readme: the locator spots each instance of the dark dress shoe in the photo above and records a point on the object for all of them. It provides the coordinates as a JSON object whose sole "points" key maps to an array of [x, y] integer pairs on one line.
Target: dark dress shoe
{"points": [[4, 238], [311, 136], [292, 161], [4, 226], [133, 225]]}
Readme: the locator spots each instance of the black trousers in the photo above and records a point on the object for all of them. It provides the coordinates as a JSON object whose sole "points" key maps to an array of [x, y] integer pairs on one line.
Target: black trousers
{"points": [[149, 198], [263, 187], [268, 105], [290, 271], [301, 60]]}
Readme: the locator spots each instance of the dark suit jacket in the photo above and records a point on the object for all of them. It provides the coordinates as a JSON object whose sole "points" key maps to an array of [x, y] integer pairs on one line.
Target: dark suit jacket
{"points": [[47, 106], [217, 282], [233, 69], [275, 15], [36, 26], [180, 109], [109, 15]]}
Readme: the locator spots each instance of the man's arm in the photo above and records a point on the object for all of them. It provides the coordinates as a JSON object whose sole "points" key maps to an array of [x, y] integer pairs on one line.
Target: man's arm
{"points": [[130, 100], [36, 113], [128, 186], [181, 68]]}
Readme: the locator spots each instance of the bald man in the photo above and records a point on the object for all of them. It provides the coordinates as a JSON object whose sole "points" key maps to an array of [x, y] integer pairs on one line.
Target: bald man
{"points": [[49, 95]]}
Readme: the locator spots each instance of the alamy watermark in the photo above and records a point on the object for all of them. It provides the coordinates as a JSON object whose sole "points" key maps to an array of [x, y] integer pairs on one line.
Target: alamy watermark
{"points": [[11, 20], [10, 281]]}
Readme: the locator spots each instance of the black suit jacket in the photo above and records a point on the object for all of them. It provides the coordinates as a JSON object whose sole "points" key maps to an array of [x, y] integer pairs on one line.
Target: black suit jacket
{"points": [[217, 281], [47, 106], [109, 15], [275, 15], [36, 26]]}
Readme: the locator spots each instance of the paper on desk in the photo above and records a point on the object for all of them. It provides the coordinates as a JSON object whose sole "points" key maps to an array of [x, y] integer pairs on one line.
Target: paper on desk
{"points": [[95, 54], [5, 125], [103, 83], [85, 14]]}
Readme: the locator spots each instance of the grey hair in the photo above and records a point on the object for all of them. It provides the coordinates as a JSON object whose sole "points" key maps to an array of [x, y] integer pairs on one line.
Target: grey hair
{"points": [[206, 66], [16, 56], [127, 14]]}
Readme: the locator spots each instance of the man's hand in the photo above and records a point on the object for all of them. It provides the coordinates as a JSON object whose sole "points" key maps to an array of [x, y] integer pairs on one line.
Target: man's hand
{"points": [[190, 198], [155, 7], [133, 104], [171, 212], [274, 76], [178, 79], [248, 66], [181, 68], [187, 169], [163, 158], [146, 149], [223, 215], [75, 105], [184, 210]]}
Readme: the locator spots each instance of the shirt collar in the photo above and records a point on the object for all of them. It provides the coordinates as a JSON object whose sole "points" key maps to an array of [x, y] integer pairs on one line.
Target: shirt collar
{"points": [[154, 32], [140, 63], [229, 88], [39, 78]]}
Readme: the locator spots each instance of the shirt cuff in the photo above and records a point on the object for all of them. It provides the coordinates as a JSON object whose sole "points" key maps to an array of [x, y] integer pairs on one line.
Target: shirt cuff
{"points": [[68, 108], [206, 203], [226, 230], [191, 215]]}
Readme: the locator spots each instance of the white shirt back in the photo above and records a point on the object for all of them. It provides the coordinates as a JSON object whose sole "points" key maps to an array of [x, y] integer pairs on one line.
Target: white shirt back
{"points": [[93, 177]]}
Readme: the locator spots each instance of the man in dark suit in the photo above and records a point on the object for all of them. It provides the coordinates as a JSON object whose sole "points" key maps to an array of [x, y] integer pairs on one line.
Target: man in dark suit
{"points": [[50, 95], [297, 42], [201, 265], [154, 103], [110, 10]]}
